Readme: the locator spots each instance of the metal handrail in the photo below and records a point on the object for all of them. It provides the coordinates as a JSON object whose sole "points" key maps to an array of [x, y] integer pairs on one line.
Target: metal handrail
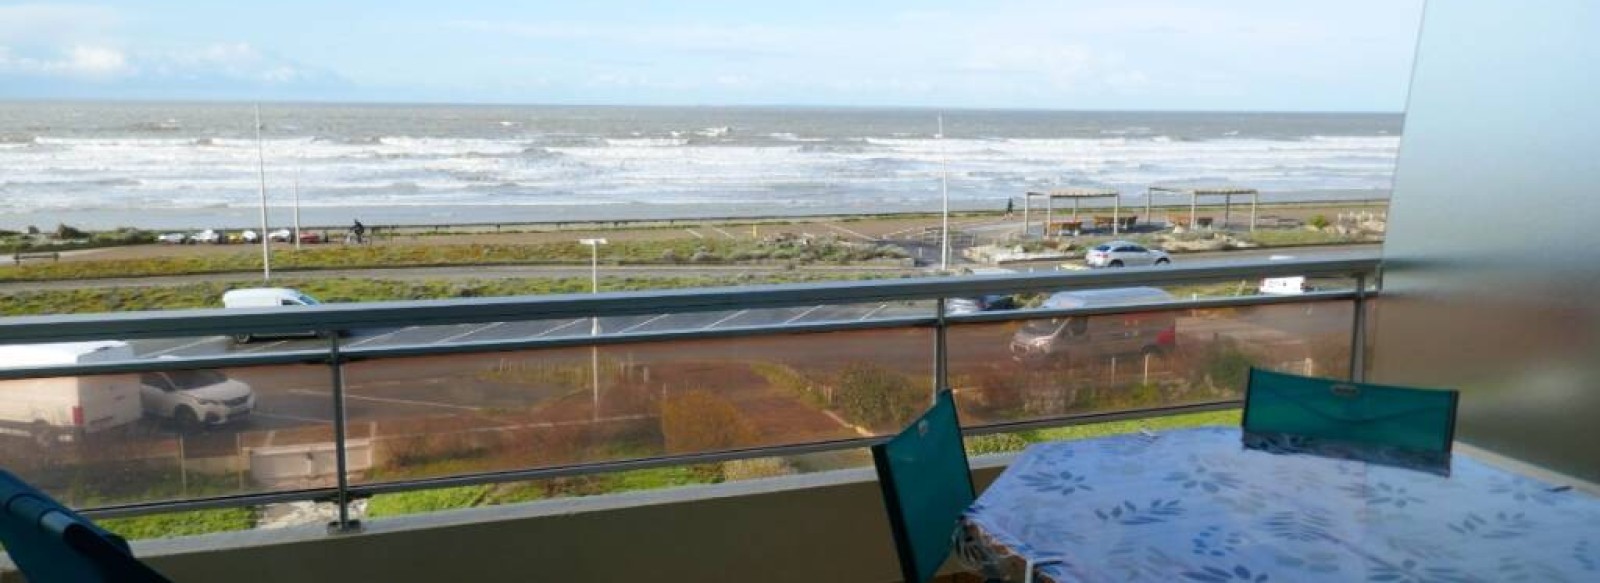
{"points": [[344, 316], [208, 322]]}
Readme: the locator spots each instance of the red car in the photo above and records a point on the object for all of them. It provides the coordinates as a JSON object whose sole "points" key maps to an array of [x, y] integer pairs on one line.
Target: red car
{"points": [[312, 237]]}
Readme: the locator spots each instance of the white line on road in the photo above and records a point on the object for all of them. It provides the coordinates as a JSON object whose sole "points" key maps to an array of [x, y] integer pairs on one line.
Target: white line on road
{"points": [[287, 417], [177, 348], [561, 327], [642, 324], [724, 233], [696, 235], [391, 400], [725, 319], [469, 333], [378, 337], [874, 311], [802, 314], [263, 346]]}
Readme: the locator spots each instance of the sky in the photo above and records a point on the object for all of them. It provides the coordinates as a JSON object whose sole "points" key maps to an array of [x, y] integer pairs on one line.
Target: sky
{"points": [[1232, 55]]}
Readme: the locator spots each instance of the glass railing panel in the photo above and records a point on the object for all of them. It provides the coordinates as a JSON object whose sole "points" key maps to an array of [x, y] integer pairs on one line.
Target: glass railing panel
{"points": [[115, 439], [427, 417], [1052, 367]]}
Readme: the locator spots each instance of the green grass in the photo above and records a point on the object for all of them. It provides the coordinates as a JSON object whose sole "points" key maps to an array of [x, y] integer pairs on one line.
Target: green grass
{"points": [[674, 251], [209, 294], [1299, 237], [181, 523]]}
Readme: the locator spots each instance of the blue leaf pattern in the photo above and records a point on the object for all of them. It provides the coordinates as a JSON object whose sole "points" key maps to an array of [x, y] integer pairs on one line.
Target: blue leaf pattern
{"points": [[1191, 505]]}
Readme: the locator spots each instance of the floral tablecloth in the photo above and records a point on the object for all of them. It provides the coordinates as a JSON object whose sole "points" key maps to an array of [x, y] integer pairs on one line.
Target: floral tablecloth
{"points": [[1198, 505]]}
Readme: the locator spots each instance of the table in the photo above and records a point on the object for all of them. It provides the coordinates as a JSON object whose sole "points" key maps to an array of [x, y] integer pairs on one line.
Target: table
{"points": [[1197, 505]]}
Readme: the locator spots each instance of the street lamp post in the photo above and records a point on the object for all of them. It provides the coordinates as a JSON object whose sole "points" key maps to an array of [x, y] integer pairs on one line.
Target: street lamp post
{"points": [[594, 325]]}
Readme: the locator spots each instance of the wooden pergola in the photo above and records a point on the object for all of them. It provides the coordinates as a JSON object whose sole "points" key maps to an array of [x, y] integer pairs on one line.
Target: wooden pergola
{"points": [[1076, 194], [1195, 192]]}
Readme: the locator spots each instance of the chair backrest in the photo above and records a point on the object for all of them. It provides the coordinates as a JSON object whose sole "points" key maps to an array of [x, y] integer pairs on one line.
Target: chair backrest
{"points": [[1403, 417], [926, 486], [52, 544]]}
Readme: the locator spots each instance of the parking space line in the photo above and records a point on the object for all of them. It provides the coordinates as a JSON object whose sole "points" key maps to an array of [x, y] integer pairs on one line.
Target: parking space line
{"points": [[696, 234], [378, 337], [803, 314], [847, 231], [392, 400], [874, 311], [725, 319], [469, 332], [642, 324], [177, 348], [287, 417], [263, 346], [561, 327], [724, 233]]}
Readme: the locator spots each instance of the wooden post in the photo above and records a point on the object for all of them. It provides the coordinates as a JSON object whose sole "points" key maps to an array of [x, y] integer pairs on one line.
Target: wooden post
{"points": [[1049, 215], [1255, 198], [1227, 208], [1193, 212], [1027, 201], [1116, 214]]}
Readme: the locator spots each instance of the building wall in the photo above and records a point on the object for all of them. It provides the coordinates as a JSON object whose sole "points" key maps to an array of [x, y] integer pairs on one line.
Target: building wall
{"points": [[1492, 263]]}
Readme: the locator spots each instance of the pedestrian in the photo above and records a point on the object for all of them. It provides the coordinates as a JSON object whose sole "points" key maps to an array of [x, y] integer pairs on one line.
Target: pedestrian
{"points": [[1010, 207]]}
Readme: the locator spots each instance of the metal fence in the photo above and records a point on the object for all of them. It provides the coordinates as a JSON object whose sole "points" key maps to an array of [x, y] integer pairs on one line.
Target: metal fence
{"points": [[336, 354]]}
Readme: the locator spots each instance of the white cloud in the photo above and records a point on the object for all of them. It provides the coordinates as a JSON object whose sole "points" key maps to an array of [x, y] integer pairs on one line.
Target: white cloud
{"points": [[86, 62]]}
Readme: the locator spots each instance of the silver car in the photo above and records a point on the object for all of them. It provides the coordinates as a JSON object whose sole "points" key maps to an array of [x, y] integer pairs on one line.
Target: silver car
{"points": [[1124, 253]]}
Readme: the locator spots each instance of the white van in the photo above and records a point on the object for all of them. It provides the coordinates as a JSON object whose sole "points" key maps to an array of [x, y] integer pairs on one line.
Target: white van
{"points": [[66, 409], [264, 297], [1078, 337], [191, 398]]}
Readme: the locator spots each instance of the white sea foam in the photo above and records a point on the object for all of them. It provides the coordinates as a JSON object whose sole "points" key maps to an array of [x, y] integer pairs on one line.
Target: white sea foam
{"points": [[162, 171]]}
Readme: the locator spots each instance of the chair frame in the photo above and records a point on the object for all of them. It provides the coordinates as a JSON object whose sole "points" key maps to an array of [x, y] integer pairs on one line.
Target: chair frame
{"points": [[888, 487], [1455, 401]]}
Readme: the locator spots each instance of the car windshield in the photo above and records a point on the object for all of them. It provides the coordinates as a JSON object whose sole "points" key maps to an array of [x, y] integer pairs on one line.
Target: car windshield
{"points": [[308, 300], [1102, 248], [1042, 327], [193, 379]]}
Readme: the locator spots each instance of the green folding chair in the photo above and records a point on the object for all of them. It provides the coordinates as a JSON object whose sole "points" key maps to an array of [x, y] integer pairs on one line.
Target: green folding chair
{"points": [[1421, 420], [926, 486]]}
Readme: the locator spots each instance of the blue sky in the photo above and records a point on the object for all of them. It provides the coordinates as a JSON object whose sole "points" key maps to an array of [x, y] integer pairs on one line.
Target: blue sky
{"points": [[1317, 55]]}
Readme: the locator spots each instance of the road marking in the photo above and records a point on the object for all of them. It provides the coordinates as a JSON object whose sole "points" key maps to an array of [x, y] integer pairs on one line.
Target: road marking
{"points": [[725, 319], [724, 233], [803, 314], [286, 417], [262, 347], [391, 400], [642, 324], [561, 327], [177, 348], [468, 333], [696, 235], [874, 311], [847, 231], [379, 337]]}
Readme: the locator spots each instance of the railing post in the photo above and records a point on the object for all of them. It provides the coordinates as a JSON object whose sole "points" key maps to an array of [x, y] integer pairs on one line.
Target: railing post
{"points": [[340, 441], [941, 352], [1358, 332]]}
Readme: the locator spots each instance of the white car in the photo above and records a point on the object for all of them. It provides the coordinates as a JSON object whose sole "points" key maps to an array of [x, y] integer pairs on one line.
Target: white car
{"points": [[207, 236], [281, 236], [249, 236], [1124, 254], [173, 238], [192, 398]]}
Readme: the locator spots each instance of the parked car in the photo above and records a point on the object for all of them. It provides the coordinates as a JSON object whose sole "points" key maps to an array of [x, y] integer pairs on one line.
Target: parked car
{"points": [[249, 236], [986, 303], [1063, 340], [193, 398], [266, 297], [173, 238], [1282, 286], [207, 236], [281, 236], [1124, 253], [313, 237], [66, 409]]}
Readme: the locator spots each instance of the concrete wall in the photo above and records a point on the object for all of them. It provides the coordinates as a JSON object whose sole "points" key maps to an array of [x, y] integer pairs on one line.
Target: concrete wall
{"points": [[1492, 263], [807, 528]]}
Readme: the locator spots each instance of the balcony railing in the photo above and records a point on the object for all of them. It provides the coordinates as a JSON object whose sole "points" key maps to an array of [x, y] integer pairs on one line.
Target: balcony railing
{"points": [[402, 396]]}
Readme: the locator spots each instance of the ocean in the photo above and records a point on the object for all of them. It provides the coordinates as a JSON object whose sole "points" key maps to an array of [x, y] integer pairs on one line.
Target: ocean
{"points": [[183, 165]]}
